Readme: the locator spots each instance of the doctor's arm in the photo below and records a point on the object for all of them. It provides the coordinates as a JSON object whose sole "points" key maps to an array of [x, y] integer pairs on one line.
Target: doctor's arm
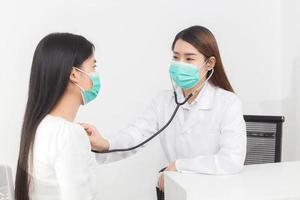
{"points": [[143, 127], [232, 152]]}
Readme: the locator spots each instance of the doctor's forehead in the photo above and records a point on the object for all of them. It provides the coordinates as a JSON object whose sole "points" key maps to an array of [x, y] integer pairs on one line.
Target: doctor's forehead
{"points": [[184, 48]]}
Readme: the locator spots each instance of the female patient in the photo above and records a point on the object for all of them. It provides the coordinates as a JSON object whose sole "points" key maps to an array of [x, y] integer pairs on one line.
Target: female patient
{"points": [[55, 161]]}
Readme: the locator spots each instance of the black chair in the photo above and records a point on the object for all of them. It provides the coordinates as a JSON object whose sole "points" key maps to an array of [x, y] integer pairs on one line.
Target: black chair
{"points": [[264, 139]]}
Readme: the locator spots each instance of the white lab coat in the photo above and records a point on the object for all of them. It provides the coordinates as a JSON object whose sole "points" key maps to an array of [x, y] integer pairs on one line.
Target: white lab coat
{"points": [[207, 136]]}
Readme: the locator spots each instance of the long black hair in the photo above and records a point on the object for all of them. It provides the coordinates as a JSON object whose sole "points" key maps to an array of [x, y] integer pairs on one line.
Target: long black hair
{"points": [[51, 67]]}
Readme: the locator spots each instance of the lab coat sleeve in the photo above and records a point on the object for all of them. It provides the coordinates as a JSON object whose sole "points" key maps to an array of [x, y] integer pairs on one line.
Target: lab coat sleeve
{"points": [[75, 167], [143, 127], [232, 152]]}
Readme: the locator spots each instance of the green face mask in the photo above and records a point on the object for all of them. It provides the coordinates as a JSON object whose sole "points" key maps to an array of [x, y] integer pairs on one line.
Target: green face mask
{"points": [[91, 94], [185, 75]]}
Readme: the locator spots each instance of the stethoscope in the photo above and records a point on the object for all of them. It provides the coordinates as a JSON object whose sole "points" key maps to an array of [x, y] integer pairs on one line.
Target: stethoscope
{"points": [[178, 104]]}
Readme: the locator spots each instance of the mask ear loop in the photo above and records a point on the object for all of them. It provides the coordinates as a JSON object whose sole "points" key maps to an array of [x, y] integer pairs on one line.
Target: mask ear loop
{"points": [[81, 88], [85, 74], [81, 71], [81, 92], [172, 83], [76, 83]]}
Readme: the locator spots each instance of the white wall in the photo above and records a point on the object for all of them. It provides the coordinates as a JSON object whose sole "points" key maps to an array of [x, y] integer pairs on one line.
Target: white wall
{"points": [[133, 40], [290, 51]]}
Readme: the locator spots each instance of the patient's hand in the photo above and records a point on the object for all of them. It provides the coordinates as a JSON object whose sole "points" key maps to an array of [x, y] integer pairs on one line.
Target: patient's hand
{"points": [[97, 141]]}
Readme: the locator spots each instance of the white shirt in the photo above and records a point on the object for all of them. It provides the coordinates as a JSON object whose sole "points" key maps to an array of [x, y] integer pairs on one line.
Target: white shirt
{"points": [[63, 164], [207, 136]]}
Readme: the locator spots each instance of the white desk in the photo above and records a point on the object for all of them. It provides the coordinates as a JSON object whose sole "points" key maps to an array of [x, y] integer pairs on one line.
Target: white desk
{"points": [[256, 182]]}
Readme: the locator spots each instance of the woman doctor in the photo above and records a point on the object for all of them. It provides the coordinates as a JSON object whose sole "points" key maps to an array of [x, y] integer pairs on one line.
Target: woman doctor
{"points": [[208, 134]]}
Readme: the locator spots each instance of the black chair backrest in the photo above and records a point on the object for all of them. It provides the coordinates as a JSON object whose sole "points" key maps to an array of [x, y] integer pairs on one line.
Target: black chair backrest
{"points": [[264, 136]]}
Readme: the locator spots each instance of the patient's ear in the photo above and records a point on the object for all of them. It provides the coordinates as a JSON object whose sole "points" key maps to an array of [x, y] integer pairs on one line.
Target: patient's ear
{"points": [[74, 76]]}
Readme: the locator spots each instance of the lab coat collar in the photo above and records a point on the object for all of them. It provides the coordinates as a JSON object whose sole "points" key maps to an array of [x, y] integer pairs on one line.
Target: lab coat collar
{"points": [[204, 99]]}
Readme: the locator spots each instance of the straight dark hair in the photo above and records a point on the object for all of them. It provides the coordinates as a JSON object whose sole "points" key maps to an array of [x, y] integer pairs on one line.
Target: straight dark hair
{"points": [[204, 41], [53, 59]]}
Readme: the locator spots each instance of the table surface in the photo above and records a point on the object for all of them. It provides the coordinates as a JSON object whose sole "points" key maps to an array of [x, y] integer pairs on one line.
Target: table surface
{"points": [[263, 181]]}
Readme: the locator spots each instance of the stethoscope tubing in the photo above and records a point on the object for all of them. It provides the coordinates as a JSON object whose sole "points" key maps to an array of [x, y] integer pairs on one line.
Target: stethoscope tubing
{"points": [[178, 104]]}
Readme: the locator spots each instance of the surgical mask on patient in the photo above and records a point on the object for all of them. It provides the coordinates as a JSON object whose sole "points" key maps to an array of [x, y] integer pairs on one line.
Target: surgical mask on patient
{"points": [[91, 94]]}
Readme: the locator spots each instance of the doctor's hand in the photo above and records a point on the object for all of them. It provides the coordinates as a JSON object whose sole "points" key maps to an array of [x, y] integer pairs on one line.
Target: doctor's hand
{"points": [[97, 141], [171, 167]]}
